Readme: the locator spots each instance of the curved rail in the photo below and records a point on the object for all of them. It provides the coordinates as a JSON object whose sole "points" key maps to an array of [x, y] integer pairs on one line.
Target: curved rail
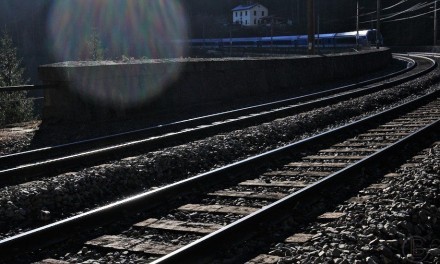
{"points": [[27, 156], [55, 232], [203, 249], [26, 172]]}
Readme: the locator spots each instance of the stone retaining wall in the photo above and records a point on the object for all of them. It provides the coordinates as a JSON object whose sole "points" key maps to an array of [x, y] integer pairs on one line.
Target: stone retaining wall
{"points": [[201, 82]]}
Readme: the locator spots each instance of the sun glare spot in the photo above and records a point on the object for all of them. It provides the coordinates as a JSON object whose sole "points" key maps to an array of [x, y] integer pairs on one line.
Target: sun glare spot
{"points": [[78, 29]]}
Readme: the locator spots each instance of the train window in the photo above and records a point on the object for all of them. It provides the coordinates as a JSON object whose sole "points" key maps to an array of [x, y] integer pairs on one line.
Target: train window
{"points": [[283, 42], [346, 40], [302, 41]]}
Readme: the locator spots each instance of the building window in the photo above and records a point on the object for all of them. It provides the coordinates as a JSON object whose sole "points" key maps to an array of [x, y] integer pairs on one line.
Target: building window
{"points": [[246, 22], [255, 21], [245, 13], [255, 12], [241, 13], [262, 13]]}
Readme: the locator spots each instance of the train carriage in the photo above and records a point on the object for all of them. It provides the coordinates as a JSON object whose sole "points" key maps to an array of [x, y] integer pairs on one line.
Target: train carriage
{"points": [[365, 38]]}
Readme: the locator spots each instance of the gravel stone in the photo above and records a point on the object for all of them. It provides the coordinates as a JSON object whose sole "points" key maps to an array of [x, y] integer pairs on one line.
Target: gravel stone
{"points": [[23, 206], [397, 226]]}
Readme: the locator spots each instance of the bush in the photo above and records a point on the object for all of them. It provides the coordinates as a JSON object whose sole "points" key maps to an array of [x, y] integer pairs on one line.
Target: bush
{"points": [[14, 106]]}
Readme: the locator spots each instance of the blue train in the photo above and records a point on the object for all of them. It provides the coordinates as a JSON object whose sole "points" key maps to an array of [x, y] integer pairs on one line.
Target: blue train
{"points": [[329, 40]]}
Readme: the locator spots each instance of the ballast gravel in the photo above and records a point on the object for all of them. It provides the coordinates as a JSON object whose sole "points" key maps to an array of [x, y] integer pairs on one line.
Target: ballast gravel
{"points": [[49, 199], [398, 224]]}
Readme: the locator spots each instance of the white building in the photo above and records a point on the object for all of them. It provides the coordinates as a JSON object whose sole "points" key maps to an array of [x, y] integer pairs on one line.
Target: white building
{"points": [[249, 15]]}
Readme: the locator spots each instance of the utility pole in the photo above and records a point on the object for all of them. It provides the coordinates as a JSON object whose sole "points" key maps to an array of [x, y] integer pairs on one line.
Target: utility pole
{"points": [[357, 24], [271, 35], [435, 23], [230, 39], [318, 22], [311, 27], [378, 24]]}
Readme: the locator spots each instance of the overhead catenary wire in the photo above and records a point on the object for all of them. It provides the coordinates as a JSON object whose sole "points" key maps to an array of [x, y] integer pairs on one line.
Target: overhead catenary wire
{"points": [[383, 9], [415, 16], [412, 9]]}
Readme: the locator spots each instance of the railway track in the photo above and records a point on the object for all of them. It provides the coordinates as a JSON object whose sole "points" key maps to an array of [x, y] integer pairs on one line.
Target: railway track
{"points": [[205, 214], [25, 166], [367, 227]]}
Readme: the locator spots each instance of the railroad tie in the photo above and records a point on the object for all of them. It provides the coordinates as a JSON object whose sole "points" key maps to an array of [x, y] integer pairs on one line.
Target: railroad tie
{"points": [[249, 195], [364, 144], [264, 259], [259, 183], [377, 186], [222, 209], [115, 242], [333, 157], [330, 216], [52, 261], [392, 175], [181, 226], [285, 173], [349, 150], [316, 164], [299, 238], [360, 199]]}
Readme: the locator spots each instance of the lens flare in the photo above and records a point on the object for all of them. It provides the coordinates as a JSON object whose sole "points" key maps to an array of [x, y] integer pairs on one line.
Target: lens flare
{"points": [[141, 29]]}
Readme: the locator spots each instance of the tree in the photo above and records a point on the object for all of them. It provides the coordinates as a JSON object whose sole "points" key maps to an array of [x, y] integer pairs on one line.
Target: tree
{"points": [[14, 106], [95, 51]]}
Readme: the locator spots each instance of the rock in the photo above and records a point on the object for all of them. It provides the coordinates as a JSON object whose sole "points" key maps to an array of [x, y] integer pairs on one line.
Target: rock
{"points": [[342, 246], [44, 215], [334, 253], [435, 252], [365, 248], [370, 260], [373, 242], [84, 250], [22, 211]]}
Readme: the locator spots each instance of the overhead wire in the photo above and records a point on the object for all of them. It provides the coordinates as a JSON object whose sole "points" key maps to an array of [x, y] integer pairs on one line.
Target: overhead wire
{"points": [[383, 9], [414, 8], [415, 16], [411, 9]]}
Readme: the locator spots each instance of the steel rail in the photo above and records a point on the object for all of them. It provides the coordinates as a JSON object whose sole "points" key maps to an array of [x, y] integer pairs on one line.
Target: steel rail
{"points": [[33, 170], [61, 230], [203, 250], [29, 171], [429, 54], [20, 158]]}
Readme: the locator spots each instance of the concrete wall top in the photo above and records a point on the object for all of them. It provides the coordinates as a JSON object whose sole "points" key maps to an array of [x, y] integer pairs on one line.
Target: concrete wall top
{"points": [[66, 71], [98, 90]]}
